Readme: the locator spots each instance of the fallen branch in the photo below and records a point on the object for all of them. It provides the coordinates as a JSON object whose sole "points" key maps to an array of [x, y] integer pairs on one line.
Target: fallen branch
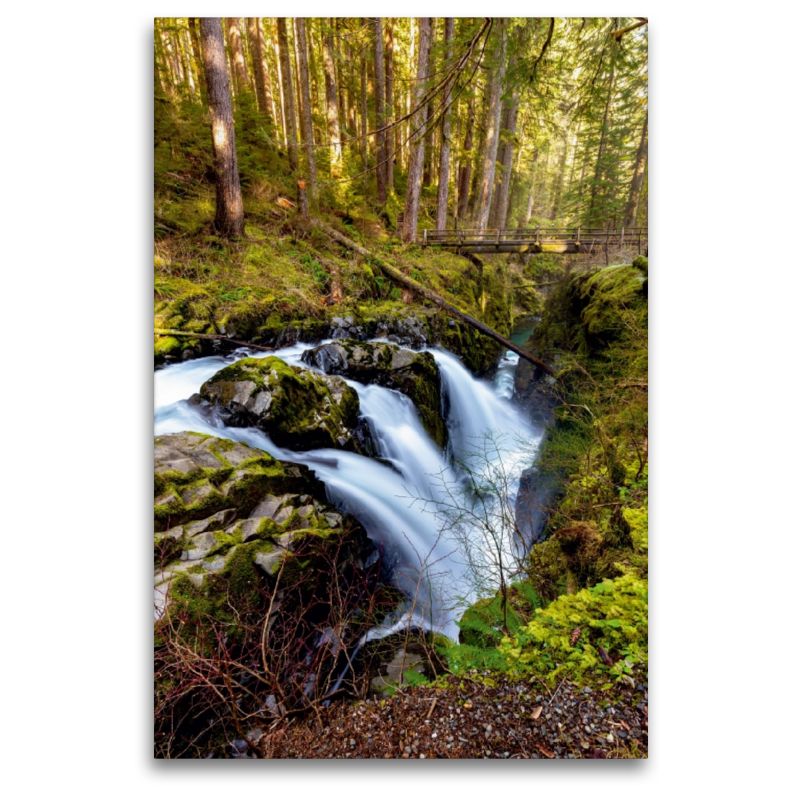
{"points": [[410, 283], [618, 34], [170, 332]]}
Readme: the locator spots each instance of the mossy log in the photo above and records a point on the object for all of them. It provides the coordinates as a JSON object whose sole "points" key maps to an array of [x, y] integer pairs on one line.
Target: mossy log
{"points": [[410, 283], [191, 335]]}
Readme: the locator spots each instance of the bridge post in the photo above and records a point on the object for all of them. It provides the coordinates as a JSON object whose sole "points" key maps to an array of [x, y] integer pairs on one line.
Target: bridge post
{"points": [[578, 240], [622, 236], [424, 237]]}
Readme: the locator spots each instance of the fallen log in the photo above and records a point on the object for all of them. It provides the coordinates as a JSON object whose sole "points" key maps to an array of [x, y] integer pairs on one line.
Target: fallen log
{"points": [[410, 283], [169, 332]]}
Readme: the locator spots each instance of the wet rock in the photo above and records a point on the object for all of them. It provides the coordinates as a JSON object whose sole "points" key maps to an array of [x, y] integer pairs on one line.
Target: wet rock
{"points": [[416, 375], [297, 408]]}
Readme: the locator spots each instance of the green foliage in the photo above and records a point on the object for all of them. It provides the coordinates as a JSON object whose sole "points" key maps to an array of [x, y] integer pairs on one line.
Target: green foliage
{"points": [[611, 615]]}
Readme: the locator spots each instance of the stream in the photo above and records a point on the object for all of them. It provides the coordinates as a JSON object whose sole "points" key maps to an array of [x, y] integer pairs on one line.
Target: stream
{"points": [[434, 560]]}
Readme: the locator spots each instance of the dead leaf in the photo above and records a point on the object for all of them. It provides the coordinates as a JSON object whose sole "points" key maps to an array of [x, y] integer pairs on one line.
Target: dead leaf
{"points": [[545, 751], [536, 713]]}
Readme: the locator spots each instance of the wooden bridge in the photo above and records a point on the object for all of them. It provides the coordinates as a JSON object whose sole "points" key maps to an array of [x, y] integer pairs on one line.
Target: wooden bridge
{"points": [[536, 240]]}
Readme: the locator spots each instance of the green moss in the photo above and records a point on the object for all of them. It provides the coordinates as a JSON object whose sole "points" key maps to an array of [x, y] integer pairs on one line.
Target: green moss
{"points": [[302, 412], [166, 346]]}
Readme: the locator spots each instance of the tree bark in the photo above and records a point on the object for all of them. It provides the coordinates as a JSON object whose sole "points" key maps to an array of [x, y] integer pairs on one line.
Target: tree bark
{"points": [[298, 89], [185, 61], [396, 275], [417, 157], [391, 136], [198, 58], [229, 219], [638, 179], [506, 159], [330, 100], [364, 124], [308, 128], [338, 64], [601, 151], [493, 130], [532, 192], [234, 32], [260, 68], [288, 92], [465, 170], [444, 152], [560, 181], [380, 113]]}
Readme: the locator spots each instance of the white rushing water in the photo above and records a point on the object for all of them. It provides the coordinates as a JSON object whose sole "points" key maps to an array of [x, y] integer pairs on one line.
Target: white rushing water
{"points": [[433, 564]]}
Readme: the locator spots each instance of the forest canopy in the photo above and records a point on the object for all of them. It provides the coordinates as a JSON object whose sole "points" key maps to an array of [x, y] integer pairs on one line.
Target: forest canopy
{"points": [[430, 123]]}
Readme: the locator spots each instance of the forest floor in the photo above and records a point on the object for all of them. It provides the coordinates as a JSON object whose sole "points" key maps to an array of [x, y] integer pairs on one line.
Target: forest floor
{"points": [[465, 718]]}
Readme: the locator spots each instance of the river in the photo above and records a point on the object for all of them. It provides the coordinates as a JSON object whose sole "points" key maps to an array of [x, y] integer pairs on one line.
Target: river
{"points": [[441, 558]]}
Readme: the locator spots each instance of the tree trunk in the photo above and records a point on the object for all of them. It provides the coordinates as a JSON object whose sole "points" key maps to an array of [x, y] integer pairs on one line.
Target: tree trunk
{"points": [[237, 56], [444, 152], [396, 275], [330, 99], [288, 92], [493, 130], [560, 181], [638, 179], [339, 81], [417, 157], [308, 128], [601, 151], [198, 58], [380, 112], [260, 68], [282, 120], [465, 171], [506, 159], [427, 172], [298, 91], [229, 219], [532, 192], [390, 115], [364, 122], [185, 61]]}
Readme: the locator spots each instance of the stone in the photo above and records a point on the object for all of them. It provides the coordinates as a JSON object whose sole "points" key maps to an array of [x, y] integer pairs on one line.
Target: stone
{"points": [[283, 515], [414, 374], [333, 520], [297, 408], [270, 562], [202, 545], [270, 506], [219, 520]]}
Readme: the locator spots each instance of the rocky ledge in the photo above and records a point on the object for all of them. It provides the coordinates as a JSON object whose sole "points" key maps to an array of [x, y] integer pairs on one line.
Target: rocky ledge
{"points": [[222, 507], [297, 408], [416, 375]]}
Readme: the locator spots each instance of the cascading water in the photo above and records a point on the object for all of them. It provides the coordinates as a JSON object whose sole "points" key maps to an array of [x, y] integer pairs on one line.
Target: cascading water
{"points": [[394, 500]]}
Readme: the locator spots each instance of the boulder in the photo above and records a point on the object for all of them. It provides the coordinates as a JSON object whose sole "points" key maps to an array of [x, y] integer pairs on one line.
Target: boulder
{"points": [[297, 408], [258, 513], [414, 374]]}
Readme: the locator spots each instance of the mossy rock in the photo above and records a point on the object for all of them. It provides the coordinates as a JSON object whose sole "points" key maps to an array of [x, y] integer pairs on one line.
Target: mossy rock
{"points": [[196, 476], [414, 374], [295, 407]]}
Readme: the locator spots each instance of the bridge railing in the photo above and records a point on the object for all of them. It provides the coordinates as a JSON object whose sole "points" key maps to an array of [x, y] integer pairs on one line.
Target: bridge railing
{"points": [[473, 236]]}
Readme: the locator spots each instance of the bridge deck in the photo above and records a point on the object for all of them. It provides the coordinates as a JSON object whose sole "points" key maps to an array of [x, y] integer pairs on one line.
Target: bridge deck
{"points": [[536, 240]]}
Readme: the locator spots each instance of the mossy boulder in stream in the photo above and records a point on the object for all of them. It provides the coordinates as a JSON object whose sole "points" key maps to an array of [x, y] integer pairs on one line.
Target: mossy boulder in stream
{"points": [[295, 407], [416, 375], [224, 509]]}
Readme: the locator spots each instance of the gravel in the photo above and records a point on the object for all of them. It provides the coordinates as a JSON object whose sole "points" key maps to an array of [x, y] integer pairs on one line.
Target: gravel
{"points": [[464, 718]]}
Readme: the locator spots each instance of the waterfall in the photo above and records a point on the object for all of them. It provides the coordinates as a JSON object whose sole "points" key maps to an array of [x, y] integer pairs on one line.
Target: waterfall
{"points": [[388, 498]]}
